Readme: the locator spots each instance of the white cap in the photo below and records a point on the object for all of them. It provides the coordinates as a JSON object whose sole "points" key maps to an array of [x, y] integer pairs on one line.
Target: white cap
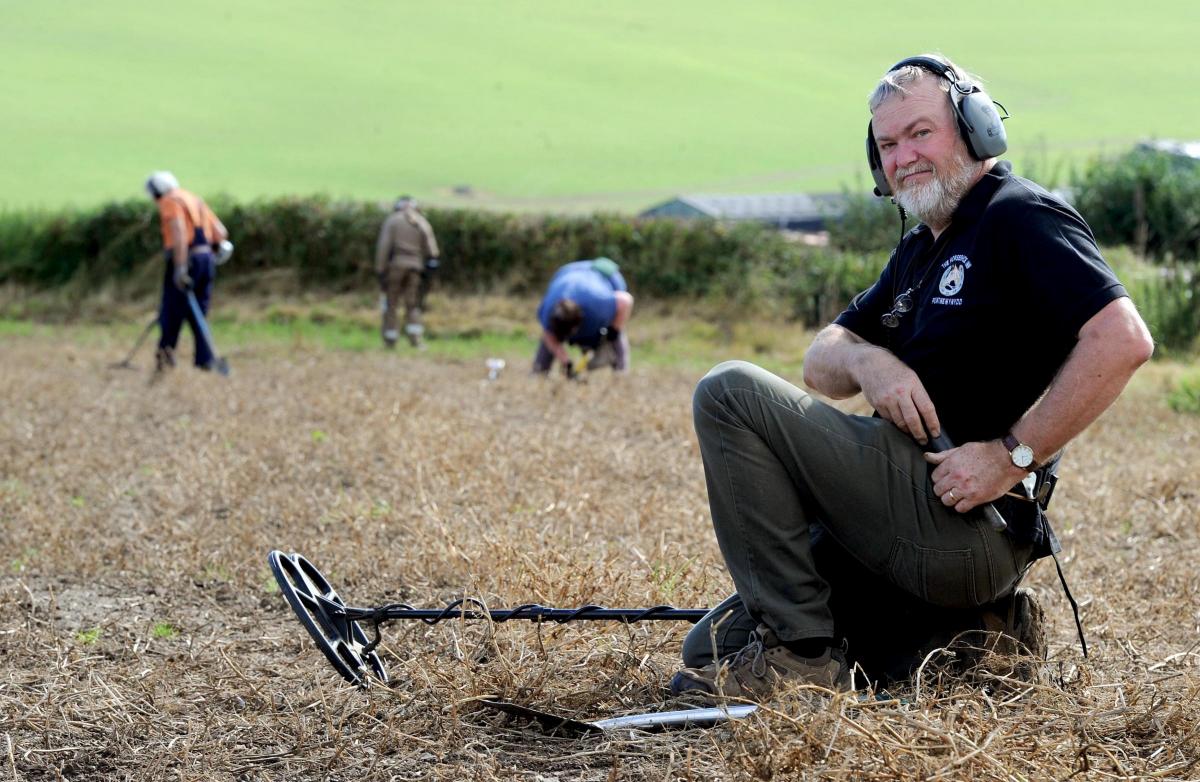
{"points": [[160, 183]]}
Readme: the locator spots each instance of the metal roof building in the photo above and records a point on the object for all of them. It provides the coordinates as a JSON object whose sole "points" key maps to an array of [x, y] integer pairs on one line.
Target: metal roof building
{"points": [[793, 211], [1183, 149]]}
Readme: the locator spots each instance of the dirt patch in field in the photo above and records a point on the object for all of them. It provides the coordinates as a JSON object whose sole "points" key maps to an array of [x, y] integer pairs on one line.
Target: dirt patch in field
{"points": [[142, 636]]}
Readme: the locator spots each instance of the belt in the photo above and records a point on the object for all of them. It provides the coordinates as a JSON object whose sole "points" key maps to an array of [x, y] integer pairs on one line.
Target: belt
{"points": [[195, 249]]}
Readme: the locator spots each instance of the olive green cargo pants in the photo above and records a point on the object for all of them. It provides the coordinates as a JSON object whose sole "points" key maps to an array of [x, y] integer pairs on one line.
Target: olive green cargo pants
{"points": [[778, 462]]}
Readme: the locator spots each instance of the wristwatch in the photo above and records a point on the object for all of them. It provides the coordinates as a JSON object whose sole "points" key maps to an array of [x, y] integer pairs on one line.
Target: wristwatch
{"points": [[1020, 453]]}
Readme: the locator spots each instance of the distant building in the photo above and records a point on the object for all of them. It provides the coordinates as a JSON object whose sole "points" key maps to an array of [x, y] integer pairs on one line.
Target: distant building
{"points": [[791, 211], [1183, 149]]}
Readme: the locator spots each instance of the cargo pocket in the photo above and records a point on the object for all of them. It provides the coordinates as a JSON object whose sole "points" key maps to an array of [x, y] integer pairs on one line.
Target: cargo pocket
{"points": [[943, 578]]}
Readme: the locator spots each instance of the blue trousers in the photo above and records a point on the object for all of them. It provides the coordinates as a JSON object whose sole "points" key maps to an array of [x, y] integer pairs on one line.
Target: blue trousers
{"points": [[174, 308]]}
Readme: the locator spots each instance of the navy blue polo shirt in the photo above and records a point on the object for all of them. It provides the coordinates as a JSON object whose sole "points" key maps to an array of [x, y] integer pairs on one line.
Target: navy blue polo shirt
{"points": [[998, 303], [999, 300]]}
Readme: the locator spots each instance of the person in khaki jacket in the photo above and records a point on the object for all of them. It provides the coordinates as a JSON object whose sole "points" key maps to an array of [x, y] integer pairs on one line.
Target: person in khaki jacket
{"points": [[406, 253]]}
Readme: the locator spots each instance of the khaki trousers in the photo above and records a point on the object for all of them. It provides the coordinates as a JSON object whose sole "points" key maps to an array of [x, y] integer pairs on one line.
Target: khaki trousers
{"points": [[402, 287], [784, 468]]}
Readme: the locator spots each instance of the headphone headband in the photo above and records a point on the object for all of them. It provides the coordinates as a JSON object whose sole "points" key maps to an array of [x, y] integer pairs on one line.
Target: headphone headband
{"points": [[935, 67]]}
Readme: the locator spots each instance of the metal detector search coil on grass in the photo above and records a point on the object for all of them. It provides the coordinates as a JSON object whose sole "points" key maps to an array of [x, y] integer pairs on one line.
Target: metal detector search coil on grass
{"points": [[336, 628]]}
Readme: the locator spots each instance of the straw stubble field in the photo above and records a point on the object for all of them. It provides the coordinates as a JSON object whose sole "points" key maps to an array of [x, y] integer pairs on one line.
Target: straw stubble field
{"points": [[142, 637]]}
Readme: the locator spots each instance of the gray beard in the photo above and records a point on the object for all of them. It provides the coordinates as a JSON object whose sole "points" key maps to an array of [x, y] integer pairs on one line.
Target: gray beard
{"points": [[934, 202]]}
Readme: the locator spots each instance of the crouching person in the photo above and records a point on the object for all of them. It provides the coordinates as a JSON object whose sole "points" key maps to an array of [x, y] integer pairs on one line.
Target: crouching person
{"points": [[587, 304]]}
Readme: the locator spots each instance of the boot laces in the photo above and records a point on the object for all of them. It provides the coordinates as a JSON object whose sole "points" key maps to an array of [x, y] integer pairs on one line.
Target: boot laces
{"points": [[755, 653]]}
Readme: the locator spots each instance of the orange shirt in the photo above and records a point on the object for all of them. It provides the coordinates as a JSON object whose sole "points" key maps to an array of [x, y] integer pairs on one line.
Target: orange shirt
{"points": [[193, 210]]}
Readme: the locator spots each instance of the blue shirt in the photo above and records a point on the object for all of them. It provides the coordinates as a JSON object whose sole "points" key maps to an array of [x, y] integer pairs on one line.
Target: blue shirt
{"points": [[593, 291]]}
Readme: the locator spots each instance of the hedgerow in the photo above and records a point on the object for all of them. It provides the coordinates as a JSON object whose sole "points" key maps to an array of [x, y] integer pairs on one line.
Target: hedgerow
{"points": [[331, 244], [1146, 201]]}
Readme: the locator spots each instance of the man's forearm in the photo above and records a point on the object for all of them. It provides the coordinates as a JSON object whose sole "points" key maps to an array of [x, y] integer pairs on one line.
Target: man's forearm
{"points": [[831, 360], [1093, 376], [431, 245], [555, 346], [179, 243], [383, 251]]}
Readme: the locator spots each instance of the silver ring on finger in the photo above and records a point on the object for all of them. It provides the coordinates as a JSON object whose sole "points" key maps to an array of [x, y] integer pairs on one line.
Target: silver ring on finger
{"points": [[950, 496]]}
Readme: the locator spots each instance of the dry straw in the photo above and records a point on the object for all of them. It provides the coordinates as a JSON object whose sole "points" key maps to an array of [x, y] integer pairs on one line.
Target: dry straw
{"points": [[141, 637]]}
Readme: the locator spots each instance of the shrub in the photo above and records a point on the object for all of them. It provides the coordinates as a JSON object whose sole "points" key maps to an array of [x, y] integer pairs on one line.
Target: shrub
{"points": [[1166, 296], [1170, 304], [868, 225], [1145, 199], [1185, 397], [331, 246]]}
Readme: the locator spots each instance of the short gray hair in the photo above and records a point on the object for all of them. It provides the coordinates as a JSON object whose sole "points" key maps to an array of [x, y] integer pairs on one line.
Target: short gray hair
{"points": [[899, 81]]}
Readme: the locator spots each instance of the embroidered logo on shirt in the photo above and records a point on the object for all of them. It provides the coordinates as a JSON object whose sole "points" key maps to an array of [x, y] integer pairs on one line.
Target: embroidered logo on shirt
{"points": [[954, 276]]}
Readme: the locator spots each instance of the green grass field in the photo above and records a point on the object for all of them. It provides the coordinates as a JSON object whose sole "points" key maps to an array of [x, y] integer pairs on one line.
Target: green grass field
{"points": [[462, 328], [546, 105]]}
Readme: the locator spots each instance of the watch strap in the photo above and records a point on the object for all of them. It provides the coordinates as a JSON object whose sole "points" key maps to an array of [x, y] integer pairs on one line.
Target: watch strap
{"points": [[1011, 443]]}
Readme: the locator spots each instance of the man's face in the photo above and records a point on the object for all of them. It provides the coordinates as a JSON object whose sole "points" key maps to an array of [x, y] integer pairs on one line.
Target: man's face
{"points": [[924, 158]]}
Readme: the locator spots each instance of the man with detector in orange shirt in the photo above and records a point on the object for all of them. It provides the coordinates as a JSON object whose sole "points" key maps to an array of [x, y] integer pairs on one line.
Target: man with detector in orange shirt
{"points": [[189, 230]]}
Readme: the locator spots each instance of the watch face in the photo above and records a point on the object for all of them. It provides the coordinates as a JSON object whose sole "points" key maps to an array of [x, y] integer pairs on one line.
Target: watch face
{"points": [[1022, 455]]}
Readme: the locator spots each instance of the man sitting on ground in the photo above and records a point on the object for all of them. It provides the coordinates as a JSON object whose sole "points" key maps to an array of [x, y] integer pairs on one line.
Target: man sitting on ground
{"points": [[996, 322]]}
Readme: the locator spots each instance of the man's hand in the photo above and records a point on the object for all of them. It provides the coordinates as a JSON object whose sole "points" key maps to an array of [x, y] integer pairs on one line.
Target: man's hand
{"points": [[973, 474], [224, 251], [431, 267], [898, 395], [182, 281]]}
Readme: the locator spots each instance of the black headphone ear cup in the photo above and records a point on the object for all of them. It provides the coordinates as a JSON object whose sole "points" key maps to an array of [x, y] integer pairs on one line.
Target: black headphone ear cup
{"points": [[882, 188]]}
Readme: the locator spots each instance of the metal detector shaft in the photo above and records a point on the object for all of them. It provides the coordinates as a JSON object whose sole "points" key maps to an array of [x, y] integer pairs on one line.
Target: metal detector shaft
{"points": [[138, 345], [336, 627], [222, 365], [531, 612], [943, 443]]}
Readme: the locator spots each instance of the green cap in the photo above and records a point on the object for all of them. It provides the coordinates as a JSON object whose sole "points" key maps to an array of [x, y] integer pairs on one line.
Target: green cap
{"points": [[606, 266]]}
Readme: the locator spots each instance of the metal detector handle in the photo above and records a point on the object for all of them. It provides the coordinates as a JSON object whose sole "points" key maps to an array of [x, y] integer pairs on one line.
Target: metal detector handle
{"points": [[944, 443]]}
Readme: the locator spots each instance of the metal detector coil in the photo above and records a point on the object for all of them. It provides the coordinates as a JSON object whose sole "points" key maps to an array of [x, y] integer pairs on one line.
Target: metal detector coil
{"points": [[336, 629], [323, 615]]}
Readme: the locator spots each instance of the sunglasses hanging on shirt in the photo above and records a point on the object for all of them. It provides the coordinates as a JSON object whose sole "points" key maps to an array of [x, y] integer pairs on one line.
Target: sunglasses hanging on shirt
{"points": [[905, 301], [902, 304]]}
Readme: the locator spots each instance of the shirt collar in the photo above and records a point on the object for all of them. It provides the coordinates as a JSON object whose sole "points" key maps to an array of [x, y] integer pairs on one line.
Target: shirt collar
{"points": [[977, 198]]}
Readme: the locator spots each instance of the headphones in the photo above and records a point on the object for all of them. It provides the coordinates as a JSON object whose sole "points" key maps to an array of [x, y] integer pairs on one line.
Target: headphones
{"points": [[979, 124]]}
